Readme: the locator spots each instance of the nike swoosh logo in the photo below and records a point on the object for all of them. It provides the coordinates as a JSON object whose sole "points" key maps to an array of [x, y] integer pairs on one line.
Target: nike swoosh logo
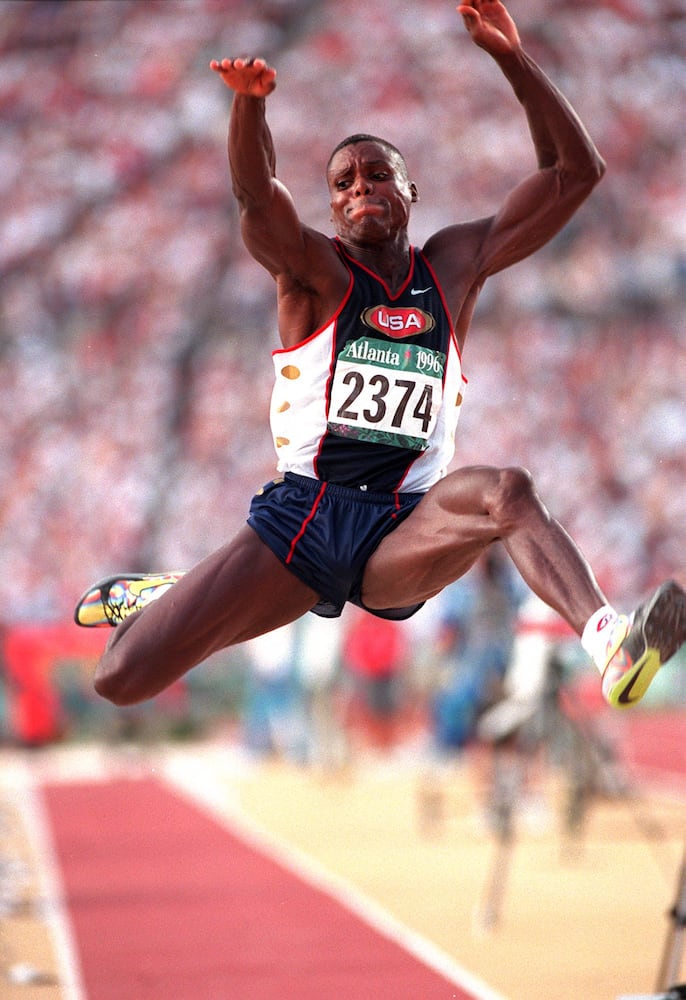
{"points": [[625, 696], [420, 291]]}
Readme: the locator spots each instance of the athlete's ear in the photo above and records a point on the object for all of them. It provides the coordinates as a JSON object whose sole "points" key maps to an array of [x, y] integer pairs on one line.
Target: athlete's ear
{"points": [[414, 192]]}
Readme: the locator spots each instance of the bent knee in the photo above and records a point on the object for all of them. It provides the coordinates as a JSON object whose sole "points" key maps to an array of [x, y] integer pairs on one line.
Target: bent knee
{"points": [[112, 680], [119, 676], [513, 494]]}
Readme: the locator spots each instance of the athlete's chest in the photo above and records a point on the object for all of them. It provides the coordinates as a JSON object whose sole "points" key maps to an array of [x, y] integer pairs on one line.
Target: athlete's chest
{"points": [[389, 360], [415, 311]]}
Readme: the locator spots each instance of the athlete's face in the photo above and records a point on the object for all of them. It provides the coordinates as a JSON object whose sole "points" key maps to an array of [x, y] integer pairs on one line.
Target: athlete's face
{"points": [[370, 193]]}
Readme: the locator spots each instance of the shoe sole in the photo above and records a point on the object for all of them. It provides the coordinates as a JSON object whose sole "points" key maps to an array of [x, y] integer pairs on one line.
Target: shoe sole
{"points": [[651, 642], [90, 610]]}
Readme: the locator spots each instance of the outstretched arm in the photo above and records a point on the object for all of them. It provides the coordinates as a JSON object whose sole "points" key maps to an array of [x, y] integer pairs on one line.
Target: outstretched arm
{"points": [[309, 276], [558, 135], [569, 165], [269, 222]]}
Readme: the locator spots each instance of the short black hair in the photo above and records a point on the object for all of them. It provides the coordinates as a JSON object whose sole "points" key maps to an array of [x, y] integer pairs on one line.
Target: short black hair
{"points": [[352, 140]]}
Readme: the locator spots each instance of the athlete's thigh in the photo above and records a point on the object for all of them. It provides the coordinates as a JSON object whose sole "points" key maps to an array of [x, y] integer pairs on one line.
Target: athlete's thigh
{"points": [[437, 543], [240, 591]]}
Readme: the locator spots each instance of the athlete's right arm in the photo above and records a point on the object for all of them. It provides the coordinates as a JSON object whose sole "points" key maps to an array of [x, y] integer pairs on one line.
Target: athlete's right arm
{"points": [[270, 226], [311, 280]]}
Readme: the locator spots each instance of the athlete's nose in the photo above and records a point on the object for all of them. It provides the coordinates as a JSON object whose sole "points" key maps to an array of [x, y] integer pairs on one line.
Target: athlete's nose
{"points": [[362, 186]]}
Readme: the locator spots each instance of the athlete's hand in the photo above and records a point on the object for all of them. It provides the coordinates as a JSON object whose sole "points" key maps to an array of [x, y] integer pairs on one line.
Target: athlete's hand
{"points": [[252, 77], [490, 26]]}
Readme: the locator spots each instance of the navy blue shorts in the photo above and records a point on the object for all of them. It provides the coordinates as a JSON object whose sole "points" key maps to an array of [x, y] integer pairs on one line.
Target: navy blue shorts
{"points": [[326, 533]]}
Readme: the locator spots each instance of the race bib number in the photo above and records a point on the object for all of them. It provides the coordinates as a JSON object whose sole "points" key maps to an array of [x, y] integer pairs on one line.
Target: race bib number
{"points": [[387, 393]]}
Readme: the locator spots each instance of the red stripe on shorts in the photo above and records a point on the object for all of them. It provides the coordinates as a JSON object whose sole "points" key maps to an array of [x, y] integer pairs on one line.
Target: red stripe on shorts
{"points": [[303, 527]]}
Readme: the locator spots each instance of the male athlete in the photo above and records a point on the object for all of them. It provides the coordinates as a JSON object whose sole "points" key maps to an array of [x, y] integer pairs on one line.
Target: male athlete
{"points": [[368, 390]]}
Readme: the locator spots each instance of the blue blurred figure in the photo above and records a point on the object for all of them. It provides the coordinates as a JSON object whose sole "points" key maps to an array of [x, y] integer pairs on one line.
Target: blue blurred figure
{"points": [[475, 645]]}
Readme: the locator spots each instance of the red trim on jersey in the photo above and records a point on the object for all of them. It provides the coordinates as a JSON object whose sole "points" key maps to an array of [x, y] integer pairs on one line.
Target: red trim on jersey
{"points": [[405, 475], [332, 365], [324, 326], [439, 289], [377, 277]]}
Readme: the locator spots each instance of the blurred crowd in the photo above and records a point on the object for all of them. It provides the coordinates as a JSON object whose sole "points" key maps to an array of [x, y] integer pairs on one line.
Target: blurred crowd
{"points": [[136, 333]]}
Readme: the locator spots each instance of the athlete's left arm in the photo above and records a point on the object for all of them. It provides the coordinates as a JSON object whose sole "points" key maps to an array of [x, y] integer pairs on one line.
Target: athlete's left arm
{"points": [[569, 165]]}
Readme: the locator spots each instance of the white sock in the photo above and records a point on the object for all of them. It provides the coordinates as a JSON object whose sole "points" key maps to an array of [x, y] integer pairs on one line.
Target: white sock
{"points": [[596, 635]]}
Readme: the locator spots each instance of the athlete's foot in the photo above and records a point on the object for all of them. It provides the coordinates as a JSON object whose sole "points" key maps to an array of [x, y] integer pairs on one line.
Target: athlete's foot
{"points": [[112, 600], [641, 644]]}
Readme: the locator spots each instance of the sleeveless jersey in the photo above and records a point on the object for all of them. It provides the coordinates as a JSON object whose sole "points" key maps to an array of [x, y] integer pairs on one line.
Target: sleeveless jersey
{"points": [[372, 399]]}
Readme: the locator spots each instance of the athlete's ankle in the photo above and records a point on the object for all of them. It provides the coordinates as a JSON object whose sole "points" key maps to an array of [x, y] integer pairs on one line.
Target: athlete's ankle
{"points": [[603, 634]]}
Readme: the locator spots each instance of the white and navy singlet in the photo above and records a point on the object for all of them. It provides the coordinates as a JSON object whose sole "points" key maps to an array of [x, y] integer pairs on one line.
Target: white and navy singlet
{"points": [[372, 399]]}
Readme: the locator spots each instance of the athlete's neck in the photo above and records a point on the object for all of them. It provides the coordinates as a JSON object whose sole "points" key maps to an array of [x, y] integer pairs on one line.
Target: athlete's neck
{"points": [[391, 261]]}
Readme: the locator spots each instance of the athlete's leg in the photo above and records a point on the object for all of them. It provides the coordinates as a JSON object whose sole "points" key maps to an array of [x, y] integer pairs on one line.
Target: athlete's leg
{"points": [[460, 517], [240, 591]]}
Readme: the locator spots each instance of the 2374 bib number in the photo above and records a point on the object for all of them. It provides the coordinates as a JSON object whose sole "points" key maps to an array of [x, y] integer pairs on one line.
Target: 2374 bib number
{"points": [[387, 394]]}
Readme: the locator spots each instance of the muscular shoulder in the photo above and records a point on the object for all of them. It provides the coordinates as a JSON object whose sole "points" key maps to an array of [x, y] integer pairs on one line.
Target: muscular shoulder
{"points": [[310, 288], [457, 248], [455, 253], [313, 265]]}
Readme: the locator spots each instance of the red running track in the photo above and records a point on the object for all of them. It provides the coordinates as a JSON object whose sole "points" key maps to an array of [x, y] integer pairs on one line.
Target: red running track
{"points": [[167, 904]]}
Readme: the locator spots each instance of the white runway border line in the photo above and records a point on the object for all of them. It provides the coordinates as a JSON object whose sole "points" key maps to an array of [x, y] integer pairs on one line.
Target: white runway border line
{"points": [[194, 780], [23, 791]]}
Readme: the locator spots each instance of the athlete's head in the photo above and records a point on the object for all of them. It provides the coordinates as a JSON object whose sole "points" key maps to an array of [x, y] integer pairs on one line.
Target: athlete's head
{"points": [[370, 190]]}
